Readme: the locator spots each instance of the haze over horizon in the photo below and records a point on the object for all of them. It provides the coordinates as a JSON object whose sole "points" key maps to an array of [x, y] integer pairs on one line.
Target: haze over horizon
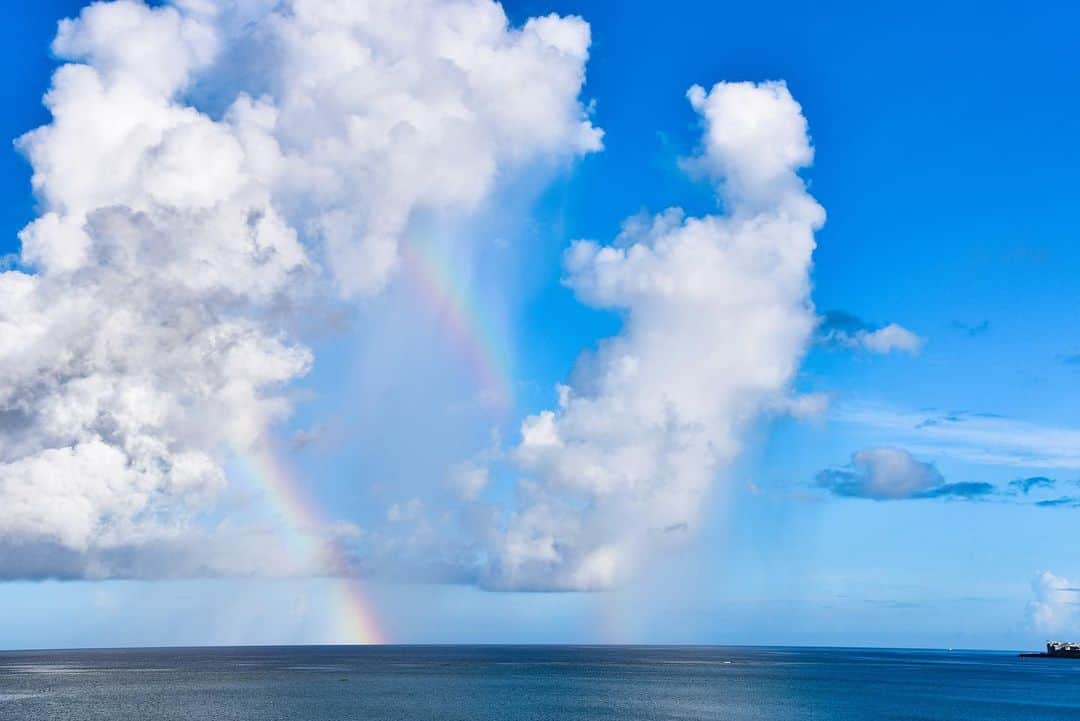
{"points": [[538, 322]]}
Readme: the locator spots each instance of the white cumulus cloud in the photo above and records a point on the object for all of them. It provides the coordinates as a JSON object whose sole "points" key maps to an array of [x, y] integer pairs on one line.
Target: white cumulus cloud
{"points": [[886, 339], [1055, 607], [718, 316], [142, 340]]}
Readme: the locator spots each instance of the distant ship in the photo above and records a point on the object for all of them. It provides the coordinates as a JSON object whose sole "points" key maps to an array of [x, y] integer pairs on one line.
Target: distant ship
{"points": [[1057, 649]]}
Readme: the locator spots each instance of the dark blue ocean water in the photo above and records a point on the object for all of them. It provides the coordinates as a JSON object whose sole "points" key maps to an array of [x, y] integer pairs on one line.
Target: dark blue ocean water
{"points": [[524, 683]]}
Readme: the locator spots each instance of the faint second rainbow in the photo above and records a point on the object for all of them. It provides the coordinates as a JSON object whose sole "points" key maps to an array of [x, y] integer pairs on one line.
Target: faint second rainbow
{"points": [[469, 325]]}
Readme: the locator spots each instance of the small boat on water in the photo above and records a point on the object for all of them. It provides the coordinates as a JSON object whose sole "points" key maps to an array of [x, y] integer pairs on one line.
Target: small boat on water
{"points": [[1057, 649]]}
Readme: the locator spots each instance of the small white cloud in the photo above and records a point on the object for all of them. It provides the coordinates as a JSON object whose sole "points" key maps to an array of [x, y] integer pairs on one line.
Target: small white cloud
{"points": [[848, 331], [880, 474], [888, 474], [804, 406], [1056, 605], [891, 337]]}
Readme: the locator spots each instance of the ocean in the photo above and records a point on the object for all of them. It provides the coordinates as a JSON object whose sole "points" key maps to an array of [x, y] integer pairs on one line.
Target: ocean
{"points": [[541, 683]]}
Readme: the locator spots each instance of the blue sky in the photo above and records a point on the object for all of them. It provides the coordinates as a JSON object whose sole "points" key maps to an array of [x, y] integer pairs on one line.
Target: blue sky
{"points": [[944, 156]]}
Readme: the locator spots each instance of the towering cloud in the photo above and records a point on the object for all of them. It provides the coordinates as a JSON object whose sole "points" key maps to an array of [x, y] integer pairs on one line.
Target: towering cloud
{"points": [[382, 108], [717, 315], [141, 334]]}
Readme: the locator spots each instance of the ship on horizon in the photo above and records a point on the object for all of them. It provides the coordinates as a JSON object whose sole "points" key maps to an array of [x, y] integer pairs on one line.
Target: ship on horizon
{"points": [[1057, 649]]}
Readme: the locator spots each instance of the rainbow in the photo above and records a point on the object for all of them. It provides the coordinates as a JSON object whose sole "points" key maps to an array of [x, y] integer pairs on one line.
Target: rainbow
{"points": [[356, 622], [446, 290]]}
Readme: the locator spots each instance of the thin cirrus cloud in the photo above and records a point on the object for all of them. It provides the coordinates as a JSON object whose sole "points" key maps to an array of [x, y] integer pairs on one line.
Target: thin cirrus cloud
{"points": [[980, 438], [972, 329], [148, 293], [1061, 502]]}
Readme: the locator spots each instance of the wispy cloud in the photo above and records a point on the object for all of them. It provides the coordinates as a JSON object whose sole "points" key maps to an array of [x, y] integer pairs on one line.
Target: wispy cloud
{"points": [[971, 329], [962, 489], [1063, 501], [1027, 485], [894, 604], [971, 437]]}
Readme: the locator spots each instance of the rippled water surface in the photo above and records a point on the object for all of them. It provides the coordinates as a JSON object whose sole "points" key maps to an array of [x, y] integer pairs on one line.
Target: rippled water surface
{"points": [[524, 683]]}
